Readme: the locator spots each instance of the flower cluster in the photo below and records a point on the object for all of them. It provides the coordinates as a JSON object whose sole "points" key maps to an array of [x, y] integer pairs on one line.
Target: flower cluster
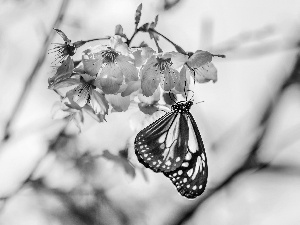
{"points": [[115, 73]]}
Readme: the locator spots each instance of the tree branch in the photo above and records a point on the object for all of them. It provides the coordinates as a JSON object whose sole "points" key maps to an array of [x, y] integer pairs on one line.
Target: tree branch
{"points": [[34, 72]]}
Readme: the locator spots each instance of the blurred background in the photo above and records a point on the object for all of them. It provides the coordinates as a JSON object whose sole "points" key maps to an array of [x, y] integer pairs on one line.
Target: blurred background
{"points": [[51, 174]]}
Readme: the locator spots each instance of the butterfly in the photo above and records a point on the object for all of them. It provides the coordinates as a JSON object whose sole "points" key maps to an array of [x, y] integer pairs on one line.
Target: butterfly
{"points": [[173, 145]]}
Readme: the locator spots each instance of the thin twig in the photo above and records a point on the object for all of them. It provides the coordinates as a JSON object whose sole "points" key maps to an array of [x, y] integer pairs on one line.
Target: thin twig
{"points": [[133, 35], [34, 72], [177, 47]]}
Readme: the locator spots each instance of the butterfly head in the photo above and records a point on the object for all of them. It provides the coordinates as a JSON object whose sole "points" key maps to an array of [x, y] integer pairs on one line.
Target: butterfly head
{"points": [[182, 106]]}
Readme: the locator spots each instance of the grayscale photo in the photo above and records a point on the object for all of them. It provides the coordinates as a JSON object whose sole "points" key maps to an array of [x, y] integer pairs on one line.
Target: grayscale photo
{"points": [[149, 112]]}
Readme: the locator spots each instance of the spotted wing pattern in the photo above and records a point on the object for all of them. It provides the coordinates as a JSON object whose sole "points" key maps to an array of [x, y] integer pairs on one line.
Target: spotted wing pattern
{"points": [[162, 145], [191, 177], [173, 145]]}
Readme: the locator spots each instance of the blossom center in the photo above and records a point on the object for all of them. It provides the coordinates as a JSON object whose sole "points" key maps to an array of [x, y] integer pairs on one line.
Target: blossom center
{"points": [[163, 64], [69, 49], [109, 56], [84, 91]]}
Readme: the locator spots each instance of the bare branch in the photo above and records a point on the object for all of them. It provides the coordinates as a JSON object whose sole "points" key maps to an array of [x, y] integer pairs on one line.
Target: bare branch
{"points": [[34, 72]]}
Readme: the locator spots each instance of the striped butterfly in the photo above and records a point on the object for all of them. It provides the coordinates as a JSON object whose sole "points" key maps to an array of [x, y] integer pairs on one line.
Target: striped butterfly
{"points": [[173, 145]]}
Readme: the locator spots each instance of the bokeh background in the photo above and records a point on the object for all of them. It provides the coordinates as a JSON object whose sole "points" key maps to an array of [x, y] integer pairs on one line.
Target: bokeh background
{"points": [[249, 121]]}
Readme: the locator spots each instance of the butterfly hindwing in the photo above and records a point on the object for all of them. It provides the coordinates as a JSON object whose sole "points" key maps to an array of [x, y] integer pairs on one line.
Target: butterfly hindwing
{"points": [[191, 177], [162, 145]]}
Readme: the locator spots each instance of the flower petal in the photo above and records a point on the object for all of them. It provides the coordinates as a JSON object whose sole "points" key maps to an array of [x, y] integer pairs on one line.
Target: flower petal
{"points": [[98, 117], [199, 58], [71, 103], [148, 109], [79, 68], [64, 71], [206, 73], [77, 119], [64, 111], [150, 77], [122, 88], [128, 69], [117, 44], [110, 79], [118, 102], [92, 61], [178, 59], [132, 87], [99, 103], [82, 94], [151, 99], [87, 78], [59, 110], [169, 79], [141, 55], [184, 81], [64, 83]]}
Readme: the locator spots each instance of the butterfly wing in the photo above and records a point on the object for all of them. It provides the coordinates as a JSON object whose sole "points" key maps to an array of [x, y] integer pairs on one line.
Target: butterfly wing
{"points": [[191, 177], [163, 144]]}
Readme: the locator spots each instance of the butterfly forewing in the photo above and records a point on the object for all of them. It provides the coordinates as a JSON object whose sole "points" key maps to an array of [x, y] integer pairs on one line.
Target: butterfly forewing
{"points": [[163, 144], [191, 177]]}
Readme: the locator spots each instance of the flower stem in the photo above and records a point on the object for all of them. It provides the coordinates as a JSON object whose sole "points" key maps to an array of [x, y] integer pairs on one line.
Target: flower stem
{"points": [[158, 48], [98, 39], [128, 42], [177, 47], [221, 56]]}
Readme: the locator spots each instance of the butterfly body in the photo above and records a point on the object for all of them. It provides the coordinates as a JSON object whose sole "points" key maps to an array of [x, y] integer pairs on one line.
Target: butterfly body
{"points": [[173, 145]]}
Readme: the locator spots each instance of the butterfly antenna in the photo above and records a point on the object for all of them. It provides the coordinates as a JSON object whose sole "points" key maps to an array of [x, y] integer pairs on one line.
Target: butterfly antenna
{"points": [[192, 98], [198, 102], [161, 110]]}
